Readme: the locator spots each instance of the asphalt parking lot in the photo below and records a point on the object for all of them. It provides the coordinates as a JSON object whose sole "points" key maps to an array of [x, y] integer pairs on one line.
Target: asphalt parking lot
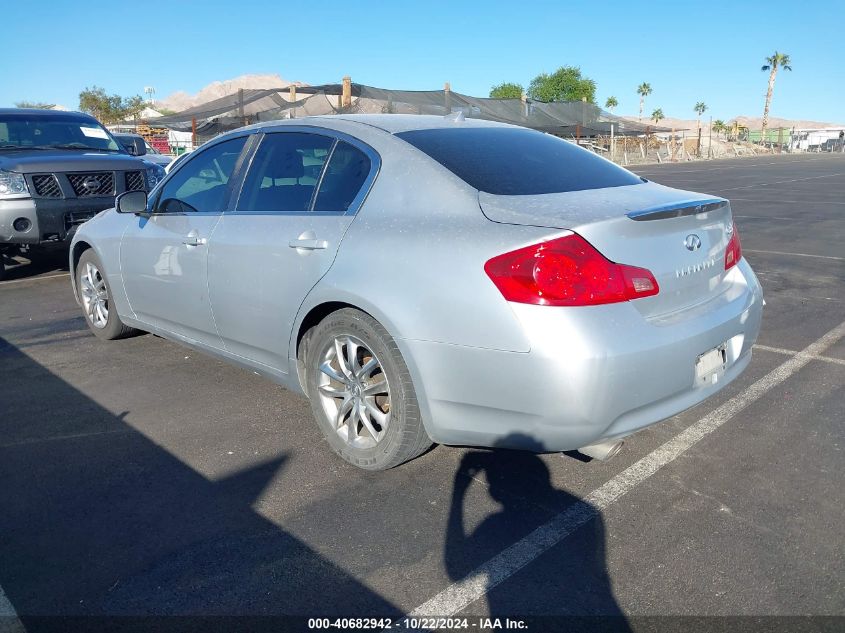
{"points": [[140, 477]]}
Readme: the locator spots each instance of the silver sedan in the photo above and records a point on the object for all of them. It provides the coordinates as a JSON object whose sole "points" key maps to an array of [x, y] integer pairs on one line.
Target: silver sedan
{"points": [[425, 279]]}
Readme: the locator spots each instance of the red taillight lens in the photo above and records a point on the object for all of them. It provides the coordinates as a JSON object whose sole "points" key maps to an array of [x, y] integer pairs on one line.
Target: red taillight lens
{"points": [[734, 251], [567, 272]]}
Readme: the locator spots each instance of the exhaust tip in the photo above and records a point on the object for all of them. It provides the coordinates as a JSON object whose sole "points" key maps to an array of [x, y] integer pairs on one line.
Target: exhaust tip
{"points": [[602, 451]]}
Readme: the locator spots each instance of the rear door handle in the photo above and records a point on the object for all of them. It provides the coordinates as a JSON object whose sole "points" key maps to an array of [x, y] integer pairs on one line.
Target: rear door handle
{"points": [[193, 240], [309, 245]]}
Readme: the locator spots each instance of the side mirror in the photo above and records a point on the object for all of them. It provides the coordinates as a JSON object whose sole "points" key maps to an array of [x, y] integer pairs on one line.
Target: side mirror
{"points": [[140, 147], [132, 202]]}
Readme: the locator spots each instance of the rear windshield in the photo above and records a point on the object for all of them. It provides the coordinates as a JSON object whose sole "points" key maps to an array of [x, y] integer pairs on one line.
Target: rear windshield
{"points": [[517, 161]]}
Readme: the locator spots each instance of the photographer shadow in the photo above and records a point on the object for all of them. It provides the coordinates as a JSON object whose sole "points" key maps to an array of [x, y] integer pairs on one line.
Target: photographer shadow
{"points": [[569, 579]]}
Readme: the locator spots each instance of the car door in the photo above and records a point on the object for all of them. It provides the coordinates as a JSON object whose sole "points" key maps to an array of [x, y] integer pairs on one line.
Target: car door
{"points": [[298, 197], [164, 258]]}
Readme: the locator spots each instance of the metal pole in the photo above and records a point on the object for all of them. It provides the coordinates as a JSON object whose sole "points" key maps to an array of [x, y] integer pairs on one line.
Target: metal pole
{"points": [[612, 143], [710, 139], [447, 97], [293, 100], [241, 106]]}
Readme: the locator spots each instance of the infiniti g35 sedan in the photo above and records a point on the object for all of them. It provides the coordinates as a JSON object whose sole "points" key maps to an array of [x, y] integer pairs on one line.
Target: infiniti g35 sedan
{"points": [[424, 279]]}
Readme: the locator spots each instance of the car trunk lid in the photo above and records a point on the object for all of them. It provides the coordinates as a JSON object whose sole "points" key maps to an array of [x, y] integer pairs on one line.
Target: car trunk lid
{"points": [[680, 236]]}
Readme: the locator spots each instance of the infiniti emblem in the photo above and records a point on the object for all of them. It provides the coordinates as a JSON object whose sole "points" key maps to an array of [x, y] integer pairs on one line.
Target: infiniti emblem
{"points": [[92, 184], [692, 242]]}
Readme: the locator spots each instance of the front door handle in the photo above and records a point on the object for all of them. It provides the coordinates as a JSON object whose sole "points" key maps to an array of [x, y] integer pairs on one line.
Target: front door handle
{"points": [[309, 244], [193, 240]]}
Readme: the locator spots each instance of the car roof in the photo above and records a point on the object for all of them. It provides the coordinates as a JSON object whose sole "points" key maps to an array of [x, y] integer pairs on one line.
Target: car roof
{"points": [[31, 111], [390, 123]]}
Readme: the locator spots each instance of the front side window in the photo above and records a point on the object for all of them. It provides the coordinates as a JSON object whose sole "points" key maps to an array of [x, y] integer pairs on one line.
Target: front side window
{"points": [[202, 183], [285, 172]]}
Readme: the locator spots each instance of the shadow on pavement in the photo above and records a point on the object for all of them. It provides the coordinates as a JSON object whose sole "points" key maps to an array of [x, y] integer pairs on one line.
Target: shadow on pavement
{"points": [[98, 520], [570, 579], [43, 263]]}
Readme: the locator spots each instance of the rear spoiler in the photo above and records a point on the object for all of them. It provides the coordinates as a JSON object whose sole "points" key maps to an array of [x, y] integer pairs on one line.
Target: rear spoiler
{"points": [[678, 209]]}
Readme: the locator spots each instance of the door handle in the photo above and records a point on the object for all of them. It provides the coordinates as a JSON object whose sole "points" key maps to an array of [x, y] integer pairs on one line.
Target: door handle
{"points": [[309, 245], [193, 240]]}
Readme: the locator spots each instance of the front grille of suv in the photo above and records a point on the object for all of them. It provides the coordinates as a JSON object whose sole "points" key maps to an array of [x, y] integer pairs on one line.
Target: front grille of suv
{"points": [[46, 186], [77, 218], [95, 183], [134, 180]]}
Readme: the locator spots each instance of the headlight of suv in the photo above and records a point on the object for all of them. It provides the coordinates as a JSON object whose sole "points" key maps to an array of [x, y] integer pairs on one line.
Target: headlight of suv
{"points": [[12, 185], [155, 174]]}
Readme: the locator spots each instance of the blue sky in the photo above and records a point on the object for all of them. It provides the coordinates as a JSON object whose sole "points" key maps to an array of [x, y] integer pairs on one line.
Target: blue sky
{"points": [[688, 51]]}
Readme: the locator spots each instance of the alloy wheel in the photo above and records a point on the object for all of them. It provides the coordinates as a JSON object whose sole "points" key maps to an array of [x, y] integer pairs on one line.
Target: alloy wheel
{"points": [[354, 391], [95, 296]]}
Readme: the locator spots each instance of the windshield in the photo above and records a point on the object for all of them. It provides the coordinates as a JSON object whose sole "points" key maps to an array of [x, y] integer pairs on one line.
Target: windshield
{"points": [[33, 131]]}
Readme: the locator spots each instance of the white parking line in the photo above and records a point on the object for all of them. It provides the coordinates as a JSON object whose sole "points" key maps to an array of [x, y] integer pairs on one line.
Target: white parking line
{"points": [[461, 594], [782, 182], [790, 352], [751, 250], [20, 281], [733, 165], [801, 202], [12, 623]]}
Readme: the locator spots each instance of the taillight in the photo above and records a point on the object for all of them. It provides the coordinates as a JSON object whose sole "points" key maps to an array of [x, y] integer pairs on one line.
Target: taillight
{"points": [[734, 251], [567, 271]]}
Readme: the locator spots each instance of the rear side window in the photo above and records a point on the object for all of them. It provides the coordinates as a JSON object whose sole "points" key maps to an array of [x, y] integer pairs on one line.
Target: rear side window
{"points": [[517, 161], [344, 177], [285, 172]]}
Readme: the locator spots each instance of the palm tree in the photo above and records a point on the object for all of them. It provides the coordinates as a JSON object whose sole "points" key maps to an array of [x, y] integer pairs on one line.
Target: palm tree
{"points": [[719, 126], [611, 103], [778, 60], [657, 115], [643, 90], [699, 108]]}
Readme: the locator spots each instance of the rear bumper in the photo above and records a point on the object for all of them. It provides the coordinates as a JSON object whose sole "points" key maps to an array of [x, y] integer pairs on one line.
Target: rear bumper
{"points": [[592, 373]]}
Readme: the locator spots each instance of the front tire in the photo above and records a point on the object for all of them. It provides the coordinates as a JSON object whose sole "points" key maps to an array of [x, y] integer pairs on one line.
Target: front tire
{"points": [[361, 392], [95, 297]]}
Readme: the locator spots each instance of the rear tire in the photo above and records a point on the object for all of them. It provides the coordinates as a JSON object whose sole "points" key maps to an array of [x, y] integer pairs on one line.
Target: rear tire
{"points": [[361, 392], [95, 296]]}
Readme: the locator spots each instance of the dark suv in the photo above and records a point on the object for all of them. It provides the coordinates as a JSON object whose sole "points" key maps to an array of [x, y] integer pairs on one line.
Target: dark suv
{"points": [[57, 170]]}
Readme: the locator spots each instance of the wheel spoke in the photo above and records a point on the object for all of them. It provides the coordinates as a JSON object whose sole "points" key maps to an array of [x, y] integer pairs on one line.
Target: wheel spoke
{"points": [[87, 286], [364, 414], [352, 424], [329, 371], [377, 414], [333, 392], [341, 359], [375, 389], [91, 307], [352, 357], [368, 368], [342, 410]]}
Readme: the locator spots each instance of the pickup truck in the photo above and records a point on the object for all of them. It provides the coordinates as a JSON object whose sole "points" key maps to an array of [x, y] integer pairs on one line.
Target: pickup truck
{"points": [[57, 170]]}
